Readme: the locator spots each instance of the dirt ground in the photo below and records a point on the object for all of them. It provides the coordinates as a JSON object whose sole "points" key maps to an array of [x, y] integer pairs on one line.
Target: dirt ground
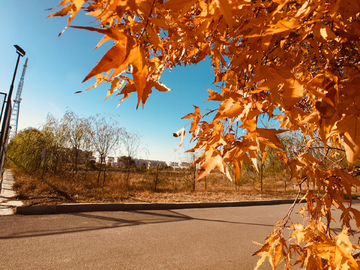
{"points": [[170, 187]]}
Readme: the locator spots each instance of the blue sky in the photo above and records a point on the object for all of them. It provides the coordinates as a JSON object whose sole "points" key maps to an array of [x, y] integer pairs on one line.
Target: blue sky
{"points": [[57, 66]]}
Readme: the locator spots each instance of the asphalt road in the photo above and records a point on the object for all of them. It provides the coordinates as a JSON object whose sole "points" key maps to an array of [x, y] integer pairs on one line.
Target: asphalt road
{"points": [[214, 238]]}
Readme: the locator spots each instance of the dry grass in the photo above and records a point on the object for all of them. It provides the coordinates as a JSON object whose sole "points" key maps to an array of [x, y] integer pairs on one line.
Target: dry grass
{"points": [[173, 186]]}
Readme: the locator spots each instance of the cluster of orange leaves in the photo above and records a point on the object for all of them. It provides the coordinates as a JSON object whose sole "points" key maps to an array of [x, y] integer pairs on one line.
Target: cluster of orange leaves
{"points": [[293, 61]]}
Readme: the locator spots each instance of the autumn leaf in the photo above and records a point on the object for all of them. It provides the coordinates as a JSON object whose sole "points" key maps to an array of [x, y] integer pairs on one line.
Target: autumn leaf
{"points": [[73, 9], [139, 76], [127, 90], [112, 59], [63, 12], [119, 57], [344, 248], [323, 31], [215, 162], [293, 92], [314, 117], [153, 37], [181, 133], [356, 216], [271, 135], [114, 84], [148, 89], [225, 8], [214, 96], [184, 5], [160, 86], [196, 119], [234, 111], [349, 126], [111, 32]]}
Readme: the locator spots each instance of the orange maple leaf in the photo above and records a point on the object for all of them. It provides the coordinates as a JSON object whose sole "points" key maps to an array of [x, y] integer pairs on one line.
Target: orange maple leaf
{"points": [[349, 126]]}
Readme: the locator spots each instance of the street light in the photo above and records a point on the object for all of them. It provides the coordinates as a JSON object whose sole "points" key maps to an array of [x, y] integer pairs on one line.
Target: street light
{"points": [[21, 53], [6, 119]]}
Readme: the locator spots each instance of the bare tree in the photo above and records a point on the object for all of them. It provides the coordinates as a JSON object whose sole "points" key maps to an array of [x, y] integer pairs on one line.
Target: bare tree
{"points": [[105, 134], [132, 147], [77, 132], [190, 158], [55, 131]]}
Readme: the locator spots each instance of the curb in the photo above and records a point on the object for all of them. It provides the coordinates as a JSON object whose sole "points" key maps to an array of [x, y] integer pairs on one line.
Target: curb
{"points": [[99, 207]]}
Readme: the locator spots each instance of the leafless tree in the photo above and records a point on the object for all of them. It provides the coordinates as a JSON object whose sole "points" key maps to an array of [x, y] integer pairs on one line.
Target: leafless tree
{"points": [[106, 135], [132, 147], [55, 131], [78, 134]]}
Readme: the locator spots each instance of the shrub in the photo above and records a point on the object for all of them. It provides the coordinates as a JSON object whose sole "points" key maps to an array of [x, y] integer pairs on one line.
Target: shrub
{"points": [[25, 149]]}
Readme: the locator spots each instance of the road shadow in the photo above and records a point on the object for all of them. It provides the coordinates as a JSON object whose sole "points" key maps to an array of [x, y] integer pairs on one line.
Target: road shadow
{"points": [[95, 221]]}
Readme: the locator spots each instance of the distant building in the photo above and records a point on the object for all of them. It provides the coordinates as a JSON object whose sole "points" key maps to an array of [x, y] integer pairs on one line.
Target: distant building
{"points": [[147, 162], [110, 159], [184, 165], [174, 164], [102, 160], [116, 161]]}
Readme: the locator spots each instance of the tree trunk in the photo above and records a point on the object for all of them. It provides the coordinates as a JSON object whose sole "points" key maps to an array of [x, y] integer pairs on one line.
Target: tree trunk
{"points": [[156, 178], [76, 160], [86, 172], [194, 179], [261, 178], [274, 177], [98, 180], [103, 184], [127, 177]]}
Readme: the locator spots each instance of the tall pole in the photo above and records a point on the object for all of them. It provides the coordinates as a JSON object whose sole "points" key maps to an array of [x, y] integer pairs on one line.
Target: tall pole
{"points": [[6, 120], [13, 80], [21, 53], [5, 125]]}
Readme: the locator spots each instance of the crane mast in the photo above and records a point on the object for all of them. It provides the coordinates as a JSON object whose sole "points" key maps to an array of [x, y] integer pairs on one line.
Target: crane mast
{"points": [[15, 112]]}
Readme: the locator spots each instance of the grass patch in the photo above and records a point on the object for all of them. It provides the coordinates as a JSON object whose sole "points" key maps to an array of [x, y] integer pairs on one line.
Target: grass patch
{"points": [[172, 186]]}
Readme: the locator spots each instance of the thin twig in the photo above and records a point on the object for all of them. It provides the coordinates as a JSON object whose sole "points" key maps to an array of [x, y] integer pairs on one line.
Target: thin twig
{"points": [[291, 209]]}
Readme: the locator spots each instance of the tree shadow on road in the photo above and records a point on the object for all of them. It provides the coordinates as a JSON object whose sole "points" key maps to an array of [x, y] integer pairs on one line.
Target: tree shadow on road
{"points": [[94, 221]]}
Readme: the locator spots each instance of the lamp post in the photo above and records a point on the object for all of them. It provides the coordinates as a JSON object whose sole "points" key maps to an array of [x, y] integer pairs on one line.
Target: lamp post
{"points": [[6, 120], [21, 53]]}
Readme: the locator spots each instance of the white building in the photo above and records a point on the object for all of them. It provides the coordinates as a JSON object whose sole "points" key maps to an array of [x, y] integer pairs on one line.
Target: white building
{"points": [[116, 162], [174, 164], [184, 165], [100, 160], [110, 159]]}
